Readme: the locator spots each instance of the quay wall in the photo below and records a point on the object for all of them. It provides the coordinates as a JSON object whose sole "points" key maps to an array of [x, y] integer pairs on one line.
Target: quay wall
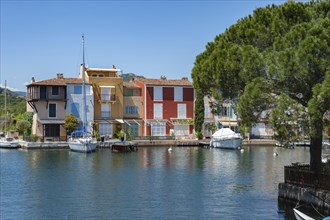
{"points": [[43, 145], [320, 199], [150, 143]]}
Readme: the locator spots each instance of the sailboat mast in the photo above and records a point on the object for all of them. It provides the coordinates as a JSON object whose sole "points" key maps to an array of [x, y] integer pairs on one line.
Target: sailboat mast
{"points": [[5, 105], [84, 88], [6, 97]]}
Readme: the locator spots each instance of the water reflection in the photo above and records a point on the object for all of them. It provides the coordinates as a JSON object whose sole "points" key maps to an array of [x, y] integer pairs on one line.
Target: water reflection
{"points": [[190, 182]]}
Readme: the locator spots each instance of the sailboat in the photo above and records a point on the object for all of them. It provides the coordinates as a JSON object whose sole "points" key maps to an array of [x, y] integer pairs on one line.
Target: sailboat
{"points": [[6, 142], [227, 138], [81, 140]]}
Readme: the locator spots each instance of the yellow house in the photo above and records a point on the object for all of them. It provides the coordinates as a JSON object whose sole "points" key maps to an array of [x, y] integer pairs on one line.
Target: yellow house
{"points": [[108, 99], [133, 109]]}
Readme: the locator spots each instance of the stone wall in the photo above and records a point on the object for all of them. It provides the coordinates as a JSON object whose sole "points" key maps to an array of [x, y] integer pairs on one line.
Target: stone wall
{"points": [[319, 198]]}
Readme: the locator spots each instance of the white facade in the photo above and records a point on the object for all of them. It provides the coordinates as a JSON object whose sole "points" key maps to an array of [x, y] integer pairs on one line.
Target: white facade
{"points": [[75, 103]]}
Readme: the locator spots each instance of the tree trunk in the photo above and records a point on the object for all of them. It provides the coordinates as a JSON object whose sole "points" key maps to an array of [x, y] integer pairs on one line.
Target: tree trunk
{"points": [[316, 146]]}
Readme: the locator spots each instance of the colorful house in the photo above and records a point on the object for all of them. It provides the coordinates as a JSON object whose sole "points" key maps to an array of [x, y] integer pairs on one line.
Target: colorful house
{"points": [[50, 102], [168, 106], [108, 99], [133, 109]]}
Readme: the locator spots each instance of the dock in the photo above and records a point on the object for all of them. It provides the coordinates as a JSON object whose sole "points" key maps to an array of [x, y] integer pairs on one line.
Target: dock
{"points": [[125, 146]]}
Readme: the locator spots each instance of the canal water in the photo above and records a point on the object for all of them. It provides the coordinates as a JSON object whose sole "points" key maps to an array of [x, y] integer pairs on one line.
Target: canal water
{"points": [[153, 183]]}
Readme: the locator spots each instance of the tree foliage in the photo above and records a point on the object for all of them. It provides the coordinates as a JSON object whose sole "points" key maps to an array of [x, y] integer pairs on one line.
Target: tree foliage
{"points": [[279, 52], [70, 123]]}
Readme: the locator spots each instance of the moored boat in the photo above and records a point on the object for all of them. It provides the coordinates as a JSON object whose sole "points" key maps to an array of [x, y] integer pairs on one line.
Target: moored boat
{"points": [[226, 138], [82, 141], [301, 216], [8, 143]]}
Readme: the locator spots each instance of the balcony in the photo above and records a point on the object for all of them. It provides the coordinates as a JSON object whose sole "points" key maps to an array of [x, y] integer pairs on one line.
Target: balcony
{"points": [[107, 98], [35, 96]]}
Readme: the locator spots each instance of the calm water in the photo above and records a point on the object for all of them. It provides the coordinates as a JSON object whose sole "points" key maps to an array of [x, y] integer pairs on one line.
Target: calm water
{"points": [[188, 183]]}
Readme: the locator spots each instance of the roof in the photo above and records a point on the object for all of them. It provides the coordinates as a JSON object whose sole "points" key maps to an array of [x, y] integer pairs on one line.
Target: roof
{"points": [[57, 82], [131, 85], [165, 82]]}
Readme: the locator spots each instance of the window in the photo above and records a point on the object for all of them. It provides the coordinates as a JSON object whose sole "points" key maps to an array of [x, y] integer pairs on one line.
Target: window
{"points": [[131, 110], [134, 128], [55, 90], [94, 75], [75, 109], [105, 94], [105, 111], [158, 128], [226, 110], [182, 111], [158, 93], [52, 130], [101, 75], [77, 89], [158, 111], [229, 112], [105, 129], [181, 130], [178, 93], [52, 110], [129, 92]]}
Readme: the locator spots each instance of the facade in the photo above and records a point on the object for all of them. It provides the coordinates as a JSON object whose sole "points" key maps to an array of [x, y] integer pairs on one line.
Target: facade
{"points": [[75, 103], [168, 106], [224, 116], [143, 107], [48, 100], [133, 109], [108, 99]]}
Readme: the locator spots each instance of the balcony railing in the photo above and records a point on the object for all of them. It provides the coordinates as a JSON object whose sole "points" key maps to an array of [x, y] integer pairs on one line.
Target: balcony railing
{"points": [[108, 97], [45, 96]]}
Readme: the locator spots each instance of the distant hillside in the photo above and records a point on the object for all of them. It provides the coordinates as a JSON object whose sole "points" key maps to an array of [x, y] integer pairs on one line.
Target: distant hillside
{"points": [[128, 76], [16, 104], [19, 93]]}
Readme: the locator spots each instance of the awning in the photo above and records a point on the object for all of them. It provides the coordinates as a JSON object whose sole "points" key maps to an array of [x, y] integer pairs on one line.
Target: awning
{"points": [[120, 121], [51, 121], [227, 123], [131, 121], [136, 122]]}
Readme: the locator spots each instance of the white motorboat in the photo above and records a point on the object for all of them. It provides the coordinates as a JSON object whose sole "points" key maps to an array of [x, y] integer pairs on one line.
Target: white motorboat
{"points": [[8, 143], [226, 138], [81, 141]]}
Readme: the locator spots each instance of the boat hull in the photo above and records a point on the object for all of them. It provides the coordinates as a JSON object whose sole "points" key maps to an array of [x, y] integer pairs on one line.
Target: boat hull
{"points": [[234, 143], [82, 147], [301, 216], [9, 144]]}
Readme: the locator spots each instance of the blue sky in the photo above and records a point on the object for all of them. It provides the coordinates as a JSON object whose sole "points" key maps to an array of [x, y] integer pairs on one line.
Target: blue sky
{"points": [[149, 38]]}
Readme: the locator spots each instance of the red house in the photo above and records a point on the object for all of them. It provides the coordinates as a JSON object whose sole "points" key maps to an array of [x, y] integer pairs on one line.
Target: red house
{"points": [[168, 106]]}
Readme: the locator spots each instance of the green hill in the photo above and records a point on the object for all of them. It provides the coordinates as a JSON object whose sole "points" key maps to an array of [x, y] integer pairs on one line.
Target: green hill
{"points": [[15, 104]]}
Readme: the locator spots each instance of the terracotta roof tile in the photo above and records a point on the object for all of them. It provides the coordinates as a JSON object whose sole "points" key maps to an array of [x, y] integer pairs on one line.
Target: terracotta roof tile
{"points": [[165, 82], [130, 85], [57, 82]]}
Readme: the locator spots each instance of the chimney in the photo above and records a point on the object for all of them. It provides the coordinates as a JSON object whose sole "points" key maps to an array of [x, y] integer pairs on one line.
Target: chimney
{"points": [[59, 75], [185, 78], [163, 77], [33, 79]]}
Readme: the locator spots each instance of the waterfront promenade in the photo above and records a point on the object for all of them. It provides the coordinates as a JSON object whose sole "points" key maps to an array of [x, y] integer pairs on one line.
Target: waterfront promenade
{"points": [[149, 143]]}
